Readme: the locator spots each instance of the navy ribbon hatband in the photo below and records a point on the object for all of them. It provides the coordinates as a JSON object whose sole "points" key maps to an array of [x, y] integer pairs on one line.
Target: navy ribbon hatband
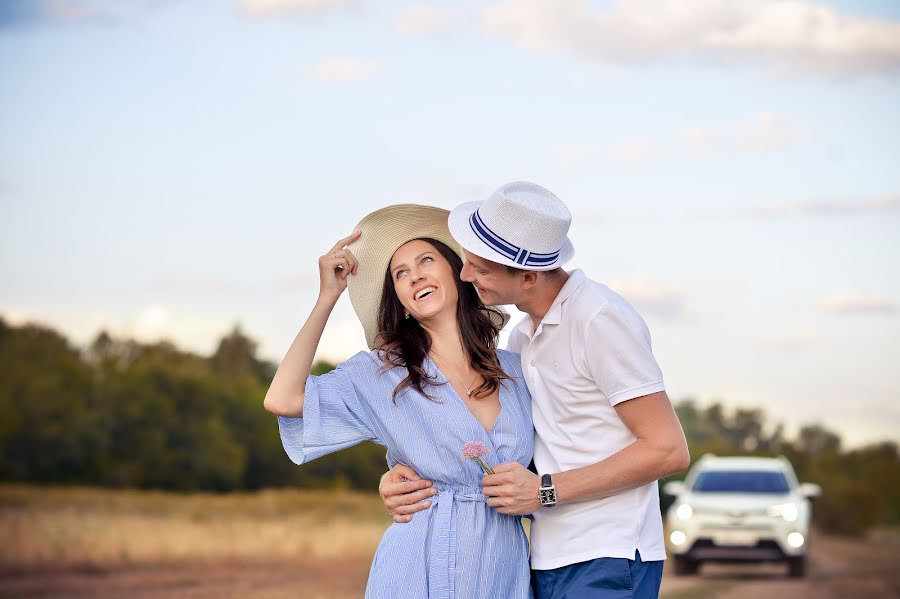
{"points": [[518, 255]]}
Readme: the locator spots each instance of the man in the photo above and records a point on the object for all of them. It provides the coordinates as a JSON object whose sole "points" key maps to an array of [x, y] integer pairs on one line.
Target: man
{"points": [[605, 428]]}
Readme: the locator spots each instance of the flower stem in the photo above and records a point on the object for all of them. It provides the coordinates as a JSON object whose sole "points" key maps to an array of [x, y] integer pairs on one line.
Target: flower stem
{"points": [[485, 467]]}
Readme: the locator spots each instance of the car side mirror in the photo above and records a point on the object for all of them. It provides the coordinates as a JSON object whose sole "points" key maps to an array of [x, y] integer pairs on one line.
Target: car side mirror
{"points": [[810, 490], [673, 488]]}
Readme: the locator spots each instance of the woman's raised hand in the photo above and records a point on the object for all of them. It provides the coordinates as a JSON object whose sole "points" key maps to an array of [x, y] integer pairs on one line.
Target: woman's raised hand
{"points": [[336, 265]]}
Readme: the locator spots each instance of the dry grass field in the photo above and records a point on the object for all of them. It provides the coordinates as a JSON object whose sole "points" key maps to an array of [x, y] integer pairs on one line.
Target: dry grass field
{"points": [[86, 542], [104, 528]]}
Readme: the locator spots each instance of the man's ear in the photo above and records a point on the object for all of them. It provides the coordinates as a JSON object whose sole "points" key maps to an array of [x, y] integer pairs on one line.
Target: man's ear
{"points": [[529, 279]]}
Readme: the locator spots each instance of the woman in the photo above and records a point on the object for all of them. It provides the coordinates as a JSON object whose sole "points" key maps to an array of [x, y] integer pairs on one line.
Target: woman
{"points": [[432, 382]]}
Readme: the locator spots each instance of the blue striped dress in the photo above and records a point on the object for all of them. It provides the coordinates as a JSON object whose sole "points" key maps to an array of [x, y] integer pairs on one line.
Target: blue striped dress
{"points": [[459, 547]]}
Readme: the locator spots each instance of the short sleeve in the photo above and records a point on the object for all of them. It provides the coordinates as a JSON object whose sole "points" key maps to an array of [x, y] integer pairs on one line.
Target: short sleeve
{"points": [[336, 411], [619, 355]]}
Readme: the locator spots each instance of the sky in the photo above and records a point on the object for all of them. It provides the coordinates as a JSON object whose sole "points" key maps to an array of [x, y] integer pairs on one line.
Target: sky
{"points": [[172, 168]]}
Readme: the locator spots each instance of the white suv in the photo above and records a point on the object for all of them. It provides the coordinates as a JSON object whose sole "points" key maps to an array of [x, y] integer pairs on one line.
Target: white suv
{"points": [[740, 509]]}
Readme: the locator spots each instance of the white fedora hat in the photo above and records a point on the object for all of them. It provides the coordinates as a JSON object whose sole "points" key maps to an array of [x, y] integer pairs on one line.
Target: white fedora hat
{"points": [[521, 225], [383, 231]]}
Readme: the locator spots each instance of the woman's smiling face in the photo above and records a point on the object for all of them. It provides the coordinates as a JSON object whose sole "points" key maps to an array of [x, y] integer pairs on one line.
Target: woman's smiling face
{"points": [[423, 280]]}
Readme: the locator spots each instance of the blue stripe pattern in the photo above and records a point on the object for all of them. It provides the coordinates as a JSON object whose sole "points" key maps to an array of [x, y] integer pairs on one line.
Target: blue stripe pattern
{"points": [[506, 249], [459, 547]]}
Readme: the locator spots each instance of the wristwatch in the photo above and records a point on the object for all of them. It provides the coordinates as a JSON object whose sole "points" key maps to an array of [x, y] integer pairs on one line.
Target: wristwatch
{"points": [[547, 492]]}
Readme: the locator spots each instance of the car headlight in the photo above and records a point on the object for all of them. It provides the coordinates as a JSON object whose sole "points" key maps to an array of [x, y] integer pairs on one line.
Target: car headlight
{"points": [[789, 511], [684, 511]]}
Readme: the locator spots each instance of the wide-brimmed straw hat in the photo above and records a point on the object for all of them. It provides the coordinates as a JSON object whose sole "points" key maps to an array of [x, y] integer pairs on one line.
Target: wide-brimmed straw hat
{"points": [[522, 225], [383, 231]]}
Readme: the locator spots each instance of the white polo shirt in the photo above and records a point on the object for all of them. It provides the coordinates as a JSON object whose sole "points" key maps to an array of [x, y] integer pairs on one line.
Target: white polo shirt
{"points": [[590, 352]]}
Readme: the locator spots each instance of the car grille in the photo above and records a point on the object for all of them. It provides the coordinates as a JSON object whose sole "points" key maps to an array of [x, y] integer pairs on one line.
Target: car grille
{"points": [[765, 550]]}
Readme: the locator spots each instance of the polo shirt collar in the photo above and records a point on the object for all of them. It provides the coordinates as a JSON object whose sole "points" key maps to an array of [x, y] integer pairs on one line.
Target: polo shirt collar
{"points": [[554, 314]]}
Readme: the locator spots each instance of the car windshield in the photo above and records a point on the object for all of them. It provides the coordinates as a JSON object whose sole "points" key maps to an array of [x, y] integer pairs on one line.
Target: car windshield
{"points": [[741, 481]]}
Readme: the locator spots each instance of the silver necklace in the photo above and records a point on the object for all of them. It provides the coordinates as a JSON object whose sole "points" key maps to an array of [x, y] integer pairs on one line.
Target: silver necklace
{"points": [[469, 388]]}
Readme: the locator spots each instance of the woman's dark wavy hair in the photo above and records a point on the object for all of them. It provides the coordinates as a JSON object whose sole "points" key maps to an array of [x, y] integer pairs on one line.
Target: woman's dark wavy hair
{"points": [[403, 342]]}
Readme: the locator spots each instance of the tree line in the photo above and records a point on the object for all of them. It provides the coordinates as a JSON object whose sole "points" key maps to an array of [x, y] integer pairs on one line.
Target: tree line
{"points": [[119, 413]]}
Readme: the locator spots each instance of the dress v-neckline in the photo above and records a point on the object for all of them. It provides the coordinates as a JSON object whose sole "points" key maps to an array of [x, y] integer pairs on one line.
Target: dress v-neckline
{"points": [[465, 406]]}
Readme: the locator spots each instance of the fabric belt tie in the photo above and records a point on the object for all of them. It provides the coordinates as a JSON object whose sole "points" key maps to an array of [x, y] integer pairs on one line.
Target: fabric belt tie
{"points": [[442, 565]]}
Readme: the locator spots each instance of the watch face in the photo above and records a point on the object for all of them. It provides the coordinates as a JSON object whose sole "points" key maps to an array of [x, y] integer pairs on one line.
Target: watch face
{"points": [[548, 496]]}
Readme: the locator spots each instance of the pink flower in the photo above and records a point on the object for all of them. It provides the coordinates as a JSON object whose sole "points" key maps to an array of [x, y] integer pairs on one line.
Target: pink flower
{"points": [[475, 451]]}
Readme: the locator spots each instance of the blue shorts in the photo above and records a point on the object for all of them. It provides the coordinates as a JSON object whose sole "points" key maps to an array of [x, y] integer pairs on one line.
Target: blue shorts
{"points": [[601, 578]]}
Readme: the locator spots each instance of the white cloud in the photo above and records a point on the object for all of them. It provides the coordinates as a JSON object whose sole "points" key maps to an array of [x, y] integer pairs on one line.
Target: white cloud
{"points": [[629, 151], [444, 193], [18, 13], [826, 207], [572, 155], [796, 35], [306, 281], [425, 20], [342, 338], [635, 151], [670, 300], [192, 284], [795, 340], [152, 323], [787, 35], [847, 206], [258, 8], [766, 132], [18, 317], [190, 330], [344, 69], [216, 286], [856, 302], [72, 11], [665, 304], [78, 326], [653, 298]]}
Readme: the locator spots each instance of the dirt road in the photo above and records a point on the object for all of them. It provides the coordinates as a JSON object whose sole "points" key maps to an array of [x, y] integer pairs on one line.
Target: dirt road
{"points": [[258, 580], [840, 568]]}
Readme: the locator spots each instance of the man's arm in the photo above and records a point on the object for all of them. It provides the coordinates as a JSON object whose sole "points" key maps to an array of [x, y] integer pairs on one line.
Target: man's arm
{"points": [[658, 451], [404, 493]]}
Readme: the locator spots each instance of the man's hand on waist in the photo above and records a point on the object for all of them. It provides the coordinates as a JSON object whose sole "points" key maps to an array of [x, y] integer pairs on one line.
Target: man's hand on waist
{"points": [[404, 493]]}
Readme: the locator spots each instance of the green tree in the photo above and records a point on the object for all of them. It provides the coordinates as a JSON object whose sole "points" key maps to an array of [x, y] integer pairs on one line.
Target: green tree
{"points": [[50, 431], [124, 414]]}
